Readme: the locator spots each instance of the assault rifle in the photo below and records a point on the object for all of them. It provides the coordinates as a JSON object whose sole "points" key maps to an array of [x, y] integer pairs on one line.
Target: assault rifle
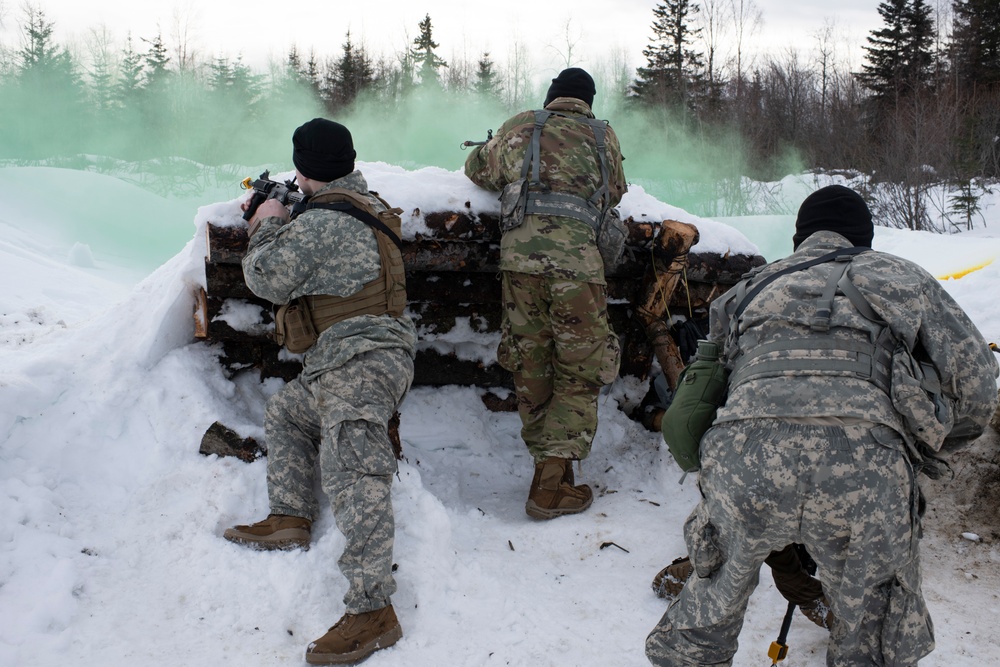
{"points": [[264, 188], [466, 144]]}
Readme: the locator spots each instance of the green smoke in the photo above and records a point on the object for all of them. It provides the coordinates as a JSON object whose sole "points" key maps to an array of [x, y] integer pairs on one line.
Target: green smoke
{"points": [[184, 140]]}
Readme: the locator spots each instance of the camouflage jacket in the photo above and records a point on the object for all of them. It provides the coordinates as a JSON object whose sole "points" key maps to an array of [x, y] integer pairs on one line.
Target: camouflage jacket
{"points": [[913, 303], [325, 252], [548, 245]]}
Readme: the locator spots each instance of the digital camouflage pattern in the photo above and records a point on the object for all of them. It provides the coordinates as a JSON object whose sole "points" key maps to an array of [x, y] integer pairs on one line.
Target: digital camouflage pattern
{"points": [[912, 301], [557, 392], [548, 245], [338, 421], [820, 461], [335, 414], [847, 493], [325, 252]]}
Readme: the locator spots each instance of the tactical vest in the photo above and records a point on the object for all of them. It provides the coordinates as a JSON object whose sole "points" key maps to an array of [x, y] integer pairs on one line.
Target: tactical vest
{"points": [[543, 202], [910, 379], [859, 354], [532, 197], [385, 295]]}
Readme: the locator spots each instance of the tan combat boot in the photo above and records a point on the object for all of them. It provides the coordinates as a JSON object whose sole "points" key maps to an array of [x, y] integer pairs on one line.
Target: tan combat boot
{"points": [[553, 492], [355, 637], [669, 582], [276, 532]]}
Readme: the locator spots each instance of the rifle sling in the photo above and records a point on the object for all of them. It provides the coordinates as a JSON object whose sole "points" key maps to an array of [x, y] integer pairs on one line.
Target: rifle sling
{"points": [[363, 216]]}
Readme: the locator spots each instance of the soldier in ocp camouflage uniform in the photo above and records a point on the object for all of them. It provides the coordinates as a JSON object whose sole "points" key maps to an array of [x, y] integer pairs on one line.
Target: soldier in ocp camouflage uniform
{"points": [[334, 416], [820, 457], [555, 337]]}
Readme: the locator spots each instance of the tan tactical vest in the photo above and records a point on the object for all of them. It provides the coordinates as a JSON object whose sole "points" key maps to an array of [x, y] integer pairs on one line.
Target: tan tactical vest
{"points": [[385, 295]]}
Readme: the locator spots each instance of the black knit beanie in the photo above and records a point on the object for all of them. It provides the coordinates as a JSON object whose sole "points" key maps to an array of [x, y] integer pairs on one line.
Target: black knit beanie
{"points": [[572, 82], [835, 209], [323, 150]]}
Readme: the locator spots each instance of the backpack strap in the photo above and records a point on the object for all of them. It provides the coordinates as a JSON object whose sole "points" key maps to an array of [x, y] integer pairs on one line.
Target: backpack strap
{"points": [[543, 202]]}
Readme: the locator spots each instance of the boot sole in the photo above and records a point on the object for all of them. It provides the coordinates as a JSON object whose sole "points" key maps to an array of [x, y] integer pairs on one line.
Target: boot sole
{"points": [[536, 512], [282, 540], [391, 636]]}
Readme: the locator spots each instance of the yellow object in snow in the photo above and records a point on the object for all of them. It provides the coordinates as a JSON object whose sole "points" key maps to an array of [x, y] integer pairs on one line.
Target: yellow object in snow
{"points": [[964, 272]]}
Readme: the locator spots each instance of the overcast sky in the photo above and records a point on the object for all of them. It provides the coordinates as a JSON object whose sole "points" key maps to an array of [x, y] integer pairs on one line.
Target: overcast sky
{"points": [[464, 29]]}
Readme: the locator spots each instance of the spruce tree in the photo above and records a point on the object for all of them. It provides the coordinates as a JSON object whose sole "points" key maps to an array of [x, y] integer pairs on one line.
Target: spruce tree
{"points": [[130, 75], [899, 56], [975, 44], [674, 71], [349, 76], [427, 62], [487, 83], [156, 60]]}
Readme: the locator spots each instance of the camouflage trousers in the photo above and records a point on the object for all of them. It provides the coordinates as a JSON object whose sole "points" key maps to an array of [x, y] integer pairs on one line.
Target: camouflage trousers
{"points": [[848, 494], [557, 343], [338, 424]]}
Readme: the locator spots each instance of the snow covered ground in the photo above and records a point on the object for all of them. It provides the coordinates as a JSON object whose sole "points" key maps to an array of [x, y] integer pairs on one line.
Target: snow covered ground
{"points": [[110, 520]]}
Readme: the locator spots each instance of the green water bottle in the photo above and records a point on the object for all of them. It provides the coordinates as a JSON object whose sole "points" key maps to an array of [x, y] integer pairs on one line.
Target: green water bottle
{"points": [[701, 389]]}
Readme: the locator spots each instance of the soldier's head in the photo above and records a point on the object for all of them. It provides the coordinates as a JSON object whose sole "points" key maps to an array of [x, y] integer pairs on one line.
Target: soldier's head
{"points": [[572, 82], [323, 151], [835, 209]]}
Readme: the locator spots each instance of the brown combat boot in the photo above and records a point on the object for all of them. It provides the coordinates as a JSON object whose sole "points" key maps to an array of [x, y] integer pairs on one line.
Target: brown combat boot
{"points": [[355, 637], [276, 532], [669, 581], [552, 491]]}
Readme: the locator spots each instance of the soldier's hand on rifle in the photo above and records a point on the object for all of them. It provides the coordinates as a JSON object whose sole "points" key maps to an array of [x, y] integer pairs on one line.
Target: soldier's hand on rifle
{"points": [[267, 209]]}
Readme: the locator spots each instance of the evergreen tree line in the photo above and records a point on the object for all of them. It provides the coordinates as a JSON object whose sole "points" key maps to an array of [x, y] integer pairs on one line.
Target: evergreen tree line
{"points": [[923, 108]]}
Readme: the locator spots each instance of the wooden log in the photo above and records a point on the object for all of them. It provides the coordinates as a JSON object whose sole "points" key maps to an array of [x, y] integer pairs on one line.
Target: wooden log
{"points": [[226, 245], [669, 262], [201, 313], [223, 441], [436, 369], [212, 314], [226, 280], [714, 268], [465, 253], [445, 286]]}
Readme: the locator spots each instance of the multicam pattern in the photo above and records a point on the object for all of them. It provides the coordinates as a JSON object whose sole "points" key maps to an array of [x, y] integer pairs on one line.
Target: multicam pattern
{"points": [[551, 246], [557, 343], [555, 339], [773, 473], [335, 414], [325, 252]]}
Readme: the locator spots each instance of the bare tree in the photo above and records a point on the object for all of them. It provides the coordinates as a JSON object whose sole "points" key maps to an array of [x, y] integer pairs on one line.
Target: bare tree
{"points": [[566, 52], [184, 33], [747, 20], [714, 17], [613, 76], [518, 76], [825, 64]]}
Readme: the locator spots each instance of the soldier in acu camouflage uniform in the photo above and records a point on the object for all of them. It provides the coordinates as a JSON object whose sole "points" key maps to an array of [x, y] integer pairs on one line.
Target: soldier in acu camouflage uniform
{"points": [[334, 416], [822, 457], [555, 338]]}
